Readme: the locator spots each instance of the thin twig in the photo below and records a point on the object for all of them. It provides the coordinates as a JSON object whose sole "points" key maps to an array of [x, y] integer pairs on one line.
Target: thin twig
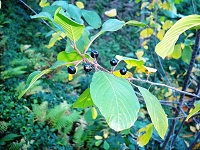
{"points": [[160, 84]]}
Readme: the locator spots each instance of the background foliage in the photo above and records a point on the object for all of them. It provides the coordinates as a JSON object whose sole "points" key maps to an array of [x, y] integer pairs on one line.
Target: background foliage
{"points": [[29, 123]]}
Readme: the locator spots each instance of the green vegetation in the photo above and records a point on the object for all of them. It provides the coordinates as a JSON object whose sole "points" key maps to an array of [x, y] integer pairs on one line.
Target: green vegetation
{"points": [[100, 74]]}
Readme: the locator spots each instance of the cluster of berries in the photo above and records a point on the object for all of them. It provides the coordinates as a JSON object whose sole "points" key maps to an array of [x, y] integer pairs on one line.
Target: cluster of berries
{"points": [[88, 66]]}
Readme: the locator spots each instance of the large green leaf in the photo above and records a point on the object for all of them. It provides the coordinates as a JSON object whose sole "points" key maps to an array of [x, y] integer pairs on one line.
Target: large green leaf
{"points": [[166, 46], [92, 18], [112, 25], [84, 100], [130, 61], [115, 99], [176, 54], [156, 112], [75, 13], [72, 29]]}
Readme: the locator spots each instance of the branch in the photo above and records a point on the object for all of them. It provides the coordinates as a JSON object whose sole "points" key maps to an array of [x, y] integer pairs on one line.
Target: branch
{"points": [[160, 84]]}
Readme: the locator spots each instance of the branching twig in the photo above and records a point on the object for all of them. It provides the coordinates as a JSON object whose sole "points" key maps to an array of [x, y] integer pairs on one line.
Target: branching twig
{"points": [[160, 84]]}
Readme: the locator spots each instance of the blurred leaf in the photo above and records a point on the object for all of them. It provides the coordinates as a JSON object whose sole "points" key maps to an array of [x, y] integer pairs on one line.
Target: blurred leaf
{"points": [[166, 46], [9, 137], [118, 74], [44, 3], [114, 102], [176, 54], [144, 138], [94, 113], [62, 4], [187, 54], [99, 142], [84, 100], [70, 77], [79, 4], [130, 61], [156, 112], [72, 29], [92, 18], [146, 33], [139, 54], [160, 34], [111, 13], [168, 24], [136, 23], [193, 111], [106, 145], [55, 38]]}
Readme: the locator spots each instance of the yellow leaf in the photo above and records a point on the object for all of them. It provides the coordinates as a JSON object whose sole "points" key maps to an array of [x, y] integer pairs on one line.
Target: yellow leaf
{"points": [[198, 58], [165, 6], [160, 34], [144, 138], [176, 54], [146, 47], [139, 54], [127, 75], [105, 134], [146, 70], [94, 113], [146, 33], [145, 42], [97, 137], [43, 3], [167, 25], [111, 13], [193, 129], [80, 5], [144, 4], [169, 93], [70, 77]]}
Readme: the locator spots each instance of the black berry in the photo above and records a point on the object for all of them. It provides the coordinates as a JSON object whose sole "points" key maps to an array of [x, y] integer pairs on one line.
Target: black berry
{"points": [[71, 70], [123, 71], [113, 62], [94, 54], [87, 67]]}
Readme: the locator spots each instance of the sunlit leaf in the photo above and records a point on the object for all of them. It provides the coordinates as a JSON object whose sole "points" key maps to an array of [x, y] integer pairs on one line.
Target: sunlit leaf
{"points": [[156, 112], [72, 29], [139, 54], [79, 4], [145, 137], [193, 111], [166, 46], [160, 34], [146, 33], [68, 57], [118, 74], [168, 24], [55, 38], [113, 96], [84, 100], [111, 13], [44, 3], [94, 113], [176, 54], [130, 61]]}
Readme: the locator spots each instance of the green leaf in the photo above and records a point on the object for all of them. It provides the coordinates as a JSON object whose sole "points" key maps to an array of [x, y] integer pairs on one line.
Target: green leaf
{"points": [[115, 99], [136, 23], [62, 4], [68, 57], [130, 61], [75, 13], [193, 111], [106, 145], [33, 77], [166, 46], [112, 25], [176, 54], [156, 112], [187, 54], [92, 18], [9, 137], [54, 39], [50, 9], [144, 138], [72, 29], [84, 100]]}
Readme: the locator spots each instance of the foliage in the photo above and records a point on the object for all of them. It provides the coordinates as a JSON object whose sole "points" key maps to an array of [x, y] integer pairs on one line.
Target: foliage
{"points": [[43, 118]]}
